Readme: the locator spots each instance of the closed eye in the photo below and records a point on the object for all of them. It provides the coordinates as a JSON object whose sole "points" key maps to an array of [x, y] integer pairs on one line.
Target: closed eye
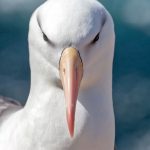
{"points": [[45, 37], [96, 38]]}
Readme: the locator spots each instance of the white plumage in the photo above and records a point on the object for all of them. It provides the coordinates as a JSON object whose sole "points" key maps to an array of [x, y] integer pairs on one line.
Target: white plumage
{"points": [[41, 124]]}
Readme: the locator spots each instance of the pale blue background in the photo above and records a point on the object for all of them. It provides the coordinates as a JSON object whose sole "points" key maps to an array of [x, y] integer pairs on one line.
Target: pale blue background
{"points": [[131, 88]]}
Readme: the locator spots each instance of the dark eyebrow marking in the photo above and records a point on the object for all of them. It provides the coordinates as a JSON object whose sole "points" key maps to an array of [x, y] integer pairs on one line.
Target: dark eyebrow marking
{"points": [[44, 35], [103, 18], [38, 21]]}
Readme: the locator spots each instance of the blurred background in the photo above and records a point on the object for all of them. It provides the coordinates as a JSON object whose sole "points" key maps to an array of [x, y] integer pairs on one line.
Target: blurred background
{"points": [[131, 80]]}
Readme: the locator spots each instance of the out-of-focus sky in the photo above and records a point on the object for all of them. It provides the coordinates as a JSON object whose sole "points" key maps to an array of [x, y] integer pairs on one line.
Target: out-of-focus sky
{"points": [[131, 86]]}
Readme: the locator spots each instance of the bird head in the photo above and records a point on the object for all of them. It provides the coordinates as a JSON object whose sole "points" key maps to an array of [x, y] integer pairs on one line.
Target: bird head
{"points": [[74, 40]]}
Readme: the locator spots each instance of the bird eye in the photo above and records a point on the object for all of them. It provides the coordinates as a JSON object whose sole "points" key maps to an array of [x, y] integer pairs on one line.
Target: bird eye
{"points": [[96, 38], [45, 37]]}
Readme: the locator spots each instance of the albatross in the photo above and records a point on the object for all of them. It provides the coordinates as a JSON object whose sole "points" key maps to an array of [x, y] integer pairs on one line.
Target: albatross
{"points": [[69, 107]]}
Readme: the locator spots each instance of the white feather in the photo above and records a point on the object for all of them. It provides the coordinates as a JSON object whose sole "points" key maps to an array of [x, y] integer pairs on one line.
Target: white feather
{"points": [[41, 124]]}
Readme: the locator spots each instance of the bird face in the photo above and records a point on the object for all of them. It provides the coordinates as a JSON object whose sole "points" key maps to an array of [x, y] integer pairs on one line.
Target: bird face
{"points": [[69, 36]]}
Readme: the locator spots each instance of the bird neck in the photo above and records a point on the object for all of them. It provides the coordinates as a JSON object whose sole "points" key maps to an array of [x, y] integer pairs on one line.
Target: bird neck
{"points": [[45, 89], [44, 80]]}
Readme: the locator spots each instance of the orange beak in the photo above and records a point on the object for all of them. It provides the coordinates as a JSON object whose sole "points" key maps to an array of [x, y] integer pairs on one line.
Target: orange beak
{"points": [[71, 72]]}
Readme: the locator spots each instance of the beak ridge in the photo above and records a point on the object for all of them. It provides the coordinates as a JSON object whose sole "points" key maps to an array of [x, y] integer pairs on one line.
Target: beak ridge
{"points": [[71, 72]]}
